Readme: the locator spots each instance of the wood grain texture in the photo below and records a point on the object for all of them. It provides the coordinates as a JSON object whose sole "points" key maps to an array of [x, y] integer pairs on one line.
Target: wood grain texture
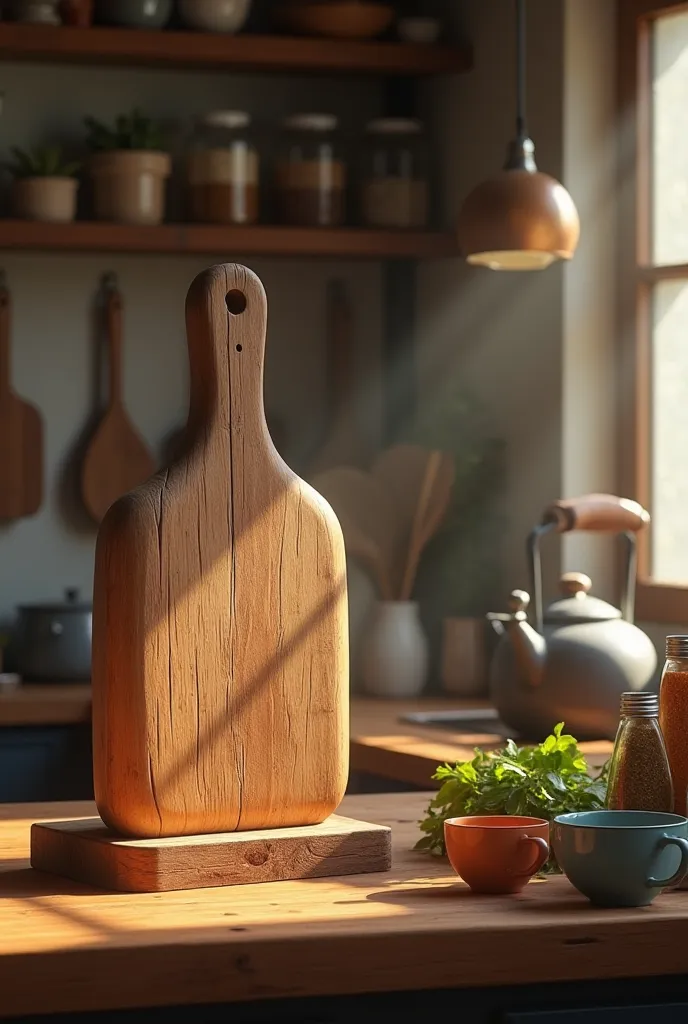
{"points": [[116, 459], [64, 947], [21, 436], [208, 50], [220, 649], [204, 239], [85, 851]]}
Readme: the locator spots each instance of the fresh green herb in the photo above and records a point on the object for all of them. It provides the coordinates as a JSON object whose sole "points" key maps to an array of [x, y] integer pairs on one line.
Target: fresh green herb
{"points": [[41, 162], [130, 131], [540, 781]]}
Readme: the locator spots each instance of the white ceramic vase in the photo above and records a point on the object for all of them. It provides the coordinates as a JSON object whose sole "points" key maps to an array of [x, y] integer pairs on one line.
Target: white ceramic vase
{"points": [[394, 654]]}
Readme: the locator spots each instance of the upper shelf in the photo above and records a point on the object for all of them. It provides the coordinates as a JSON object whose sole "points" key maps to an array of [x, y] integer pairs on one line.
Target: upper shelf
{"points": [[228, 242], [241, 52]]}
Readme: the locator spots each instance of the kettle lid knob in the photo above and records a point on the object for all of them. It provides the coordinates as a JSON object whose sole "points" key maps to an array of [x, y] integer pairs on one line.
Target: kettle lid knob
{"points": [[519, 601], [575, 584]]}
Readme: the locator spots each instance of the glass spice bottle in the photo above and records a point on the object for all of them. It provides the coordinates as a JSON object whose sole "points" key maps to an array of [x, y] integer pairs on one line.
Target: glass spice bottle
{"points": [[639, 773], [673, 715]]}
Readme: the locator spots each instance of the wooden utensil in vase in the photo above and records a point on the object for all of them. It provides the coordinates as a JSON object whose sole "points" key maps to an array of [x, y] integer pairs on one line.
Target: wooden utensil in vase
{"points": [[366, 517], [433, 502], [116, 460], [21, 435]]}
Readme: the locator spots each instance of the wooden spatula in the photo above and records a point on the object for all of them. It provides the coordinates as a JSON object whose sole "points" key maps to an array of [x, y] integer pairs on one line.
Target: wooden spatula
{"points": [[401, 469], [433, 501], [21, 435], [116, 459], [351, 497]]}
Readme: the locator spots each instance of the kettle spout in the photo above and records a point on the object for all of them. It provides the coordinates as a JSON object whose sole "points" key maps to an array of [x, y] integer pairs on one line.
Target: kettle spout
{"points": [[529, 647]]}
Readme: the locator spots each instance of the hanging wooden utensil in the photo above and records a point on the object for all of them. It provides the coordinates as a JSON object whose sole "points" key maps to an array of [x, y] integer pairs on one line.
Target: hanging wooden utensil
{"points": [[116, 459], [433, 502], [21, 435], [220, 654], [343, 444]]}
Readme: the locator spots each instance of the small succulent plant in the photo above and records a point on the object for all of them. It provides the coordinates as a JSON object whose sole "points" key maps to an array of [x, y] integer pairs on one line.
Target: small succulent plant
{"points": [[132, 131], [41, 162]]}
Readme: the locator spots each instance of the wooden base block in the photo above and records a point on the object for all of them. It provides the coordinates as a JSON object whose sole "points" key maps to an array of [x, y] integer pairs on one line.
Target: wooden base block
{"points": [[86, 851]]}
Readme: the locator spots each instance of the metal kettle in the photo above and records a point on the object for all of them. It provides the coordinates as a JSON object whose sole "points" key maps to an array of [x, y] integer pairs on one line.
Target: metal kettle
{"points": [[581, 654]]}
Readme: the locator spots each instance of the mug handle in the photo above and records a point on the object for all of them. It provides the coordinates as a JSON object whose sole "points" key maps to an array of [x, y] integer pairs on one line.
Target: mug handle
{"points": [[679, 874], [543, 853]]}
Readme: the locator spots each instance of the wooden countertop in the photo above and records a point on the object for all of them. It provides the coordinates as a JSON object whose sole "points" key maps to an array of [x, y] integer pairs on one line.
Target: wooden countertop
{"points": [[380, 743], [65, 948]]}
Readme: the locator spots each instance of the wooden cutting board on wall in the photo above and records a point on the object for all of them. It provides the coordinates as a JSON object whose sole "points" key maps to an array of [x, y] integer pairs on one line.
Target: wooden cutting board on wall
{"points": [[21, 435], [220, 653]]}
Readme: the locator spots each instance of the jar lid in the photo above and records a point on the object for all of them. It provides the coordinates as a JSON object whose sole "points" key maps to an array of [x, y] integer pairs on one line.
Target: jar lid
{"points": [[394, 126], [640, 705], [677, 646], [311, 122], [226, 119]]}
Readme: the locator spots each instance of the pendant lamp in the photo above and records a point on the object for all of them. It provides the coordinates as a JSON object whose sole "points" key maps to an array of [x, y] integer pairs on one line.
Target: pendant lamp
{"points": [[521, 219]]}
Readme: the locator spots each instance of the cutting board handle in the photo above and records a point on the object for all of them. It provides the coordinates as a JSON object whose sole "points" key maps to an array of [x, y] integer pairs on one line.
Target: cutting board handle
{"points": [[226, 317], [5, 313]]}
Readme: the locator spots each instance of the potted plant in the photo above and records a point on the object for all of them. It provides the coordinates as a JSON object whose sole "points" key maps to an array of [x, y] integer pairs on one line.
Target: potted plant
{"points": [[45, 186], [128, 168]]}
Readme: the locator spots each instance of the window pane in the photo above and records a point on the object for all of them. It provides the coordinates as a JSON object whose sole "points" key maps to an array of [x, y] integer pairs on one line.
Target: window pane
{"points": [[670, 432], [670, 139]]}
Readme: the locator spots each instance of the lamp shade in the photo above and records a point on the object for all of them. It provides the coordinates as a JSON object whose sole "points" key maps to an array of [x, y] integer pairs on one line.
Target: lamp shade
{"points": [[518, 220]]}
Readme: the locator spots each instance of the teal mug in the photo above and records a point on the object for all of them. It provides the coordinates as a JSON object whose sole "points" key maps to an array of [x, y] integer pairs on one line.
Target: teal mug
{"points": [[621, 858]]}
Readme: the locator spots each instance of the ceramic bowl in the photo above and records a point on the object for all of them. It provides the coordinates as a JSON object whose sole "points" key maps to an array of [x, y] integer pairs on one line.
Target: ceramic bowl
{"points": [[341, 19], [135, 13], [215, 15], [419, 30]]}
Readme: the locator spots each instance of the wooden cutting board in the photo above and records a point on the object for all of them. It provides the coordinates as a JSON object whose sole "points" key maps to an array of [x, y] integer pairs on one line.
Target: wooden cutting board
{"points": [[220, 649], [116, 459], [21, 436]]}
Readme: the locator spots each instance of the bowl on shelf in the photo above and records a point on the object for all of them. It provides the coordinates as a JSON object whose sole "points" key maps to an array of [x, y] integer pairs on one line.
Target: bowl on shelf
{"points": [[214, 15], [337, 19], [135, 13]]}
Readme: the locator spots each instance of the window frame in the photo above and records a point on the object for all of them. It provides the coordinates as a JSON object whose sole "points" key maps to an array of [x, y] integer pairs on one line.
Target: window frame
{"points": [[655, 601]]}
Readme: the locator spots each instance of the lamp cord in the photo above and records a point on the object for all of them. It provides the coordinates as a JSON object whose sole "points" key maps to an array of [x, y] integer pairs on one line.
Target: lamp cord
{"points": [[520, 70]]}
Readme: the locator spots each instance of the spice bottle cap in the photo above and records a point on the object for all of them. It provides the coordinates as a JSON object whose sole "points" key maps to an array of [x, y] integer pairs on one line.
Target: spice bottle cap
{"points": [[677, 646], [640, 705]]}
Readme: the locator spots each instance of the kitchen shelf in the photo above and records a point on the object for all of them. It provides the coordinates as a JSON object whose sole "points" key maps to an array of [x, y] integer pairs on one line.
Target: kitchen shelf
{"points": [[67, 45], [259, 240]]}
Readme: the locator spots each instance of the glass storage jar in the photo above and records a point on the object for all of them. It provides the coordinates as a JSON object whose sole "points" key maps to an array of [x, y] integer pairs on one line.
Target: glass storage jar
{"points": [[223, 169], [639, 773], [395, 184], [311, 173], [673, 715]]}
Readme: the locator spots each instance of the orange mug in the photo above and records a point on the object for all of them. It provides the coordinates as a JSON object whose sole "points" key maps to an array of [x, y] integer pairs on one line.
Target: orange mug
{"points": [[497, 853]]}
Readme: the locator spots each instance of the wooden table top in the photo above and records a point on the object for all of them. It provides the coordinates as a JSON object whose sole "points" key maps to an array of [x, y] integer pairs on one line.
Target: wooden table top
{"points": [[64, 947]]}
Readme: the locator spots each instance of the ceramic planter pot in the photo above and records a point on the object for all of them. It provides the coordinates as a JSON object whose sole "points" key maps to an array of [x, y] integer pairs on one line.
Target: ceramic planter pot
{"points": [[129, 185], [215, 15], [47, 199], [135, 13], [394, 655]]}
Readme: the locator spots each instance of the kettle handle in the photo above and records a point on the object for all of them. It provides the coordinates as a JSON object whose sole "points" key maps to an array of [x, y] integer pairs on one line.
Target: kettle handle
{"points": [[604, 513], [594, 513]]}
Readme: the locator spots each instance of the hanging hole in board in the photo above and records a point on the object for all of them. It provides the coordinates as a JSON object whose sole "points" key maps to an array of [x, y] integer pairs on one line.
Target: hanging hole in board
{"points": [[238, 348], [236, 301]]}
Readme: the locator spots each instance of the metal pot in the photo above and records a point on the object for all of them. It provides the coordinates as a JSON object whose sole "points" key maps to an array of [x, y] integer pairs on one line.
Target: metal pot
{"points": [[53, 641]]}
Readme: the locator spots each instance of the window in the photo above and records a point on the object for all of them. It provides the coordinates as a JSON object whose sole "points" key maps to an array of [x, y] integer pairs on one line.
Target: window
{"points": [[653, 196]]}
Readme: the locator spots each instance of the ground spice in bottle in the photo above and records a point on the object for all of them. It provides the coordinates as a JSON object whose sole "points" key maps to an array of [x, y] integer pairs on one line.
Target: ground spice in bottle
{"points": [[673, 715], [639, 773]]}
